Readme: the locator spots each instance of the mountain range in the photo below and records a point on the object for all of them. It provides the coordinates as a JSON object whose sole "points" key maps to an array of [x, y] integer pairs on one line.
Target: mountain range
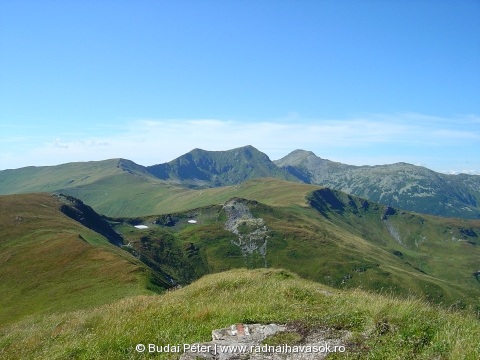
{"points": [[93, 241], [400, 185]]}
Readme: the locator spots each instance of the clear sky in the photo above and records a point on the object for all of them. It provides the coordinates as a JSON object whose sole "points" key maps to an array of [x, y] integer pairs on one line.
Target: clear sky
{"points": [[360, 82]]}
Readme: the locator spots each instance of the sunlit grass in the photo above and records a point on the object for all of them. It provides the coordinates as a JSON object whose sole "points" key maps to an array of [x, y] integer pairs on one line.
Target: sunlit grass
{"points": [[51, 263], [381, 327]]}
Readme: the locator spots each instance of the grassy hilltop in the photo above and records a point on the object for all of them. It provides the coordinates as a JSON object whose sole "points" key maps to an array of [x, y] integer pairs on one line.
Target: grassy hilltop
{"points": [[376, 326]]}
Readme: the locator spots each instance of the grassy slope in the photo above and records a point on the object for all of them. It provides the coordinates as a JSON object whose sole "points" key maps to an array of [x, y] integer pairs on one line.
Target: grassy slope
{"points": [[326, 249], [146, 197], [446, 249], [119, 187], [357, 252], [115, 185], [49, 262], [381, 327], [51, 178]]}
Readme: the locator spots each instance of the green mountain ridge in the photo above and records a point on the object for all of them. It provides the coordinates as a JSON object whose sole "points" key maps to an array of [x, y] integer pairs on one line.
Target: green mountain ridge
{"points": [[322, 234], [120, 187], [52, 178]]}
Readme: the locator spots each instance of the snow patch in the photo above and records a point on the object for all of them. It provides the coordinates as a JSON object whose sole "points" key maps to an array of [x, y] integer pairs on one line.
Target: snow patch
{"points": [[141, 226]]}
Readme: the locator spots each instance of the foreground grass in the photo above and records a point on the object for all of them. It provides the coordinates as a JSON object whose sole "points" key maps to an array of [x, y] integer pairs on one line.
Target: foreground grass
{"points": [[381, 327]]}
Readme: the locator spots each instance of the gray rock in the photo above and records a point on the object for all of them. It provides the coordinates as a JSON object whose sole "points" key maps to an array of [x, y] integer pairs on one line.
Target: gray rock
{"points": [[242, 341], [256, 238]]}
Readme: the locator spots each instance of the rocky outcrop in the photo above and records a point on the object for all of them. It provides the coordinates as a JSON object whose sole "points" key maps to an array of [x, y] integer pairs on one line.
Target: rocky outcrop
{"points": [[251, 232], [393, 232], [250, 341]]}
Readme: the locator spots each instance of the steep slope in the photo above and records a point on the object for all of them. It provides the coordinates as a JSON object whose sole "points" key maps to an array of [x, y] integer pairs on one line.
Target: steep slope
{"points": [[219, 168], [446, 249], [405, 186], [50, 262]]}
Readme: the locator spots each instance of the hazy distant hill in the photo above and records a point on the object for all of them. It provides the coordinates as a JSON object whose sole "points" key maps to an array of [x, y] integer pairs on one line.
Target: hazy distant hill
{"points": [[219, 168], [402, 185], [76, 174]]}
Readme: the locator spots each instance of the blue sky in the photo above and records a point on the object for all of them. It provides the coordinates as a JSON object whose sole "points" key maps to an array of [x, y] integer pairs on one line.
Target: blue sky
{"points": [[360, 82]]}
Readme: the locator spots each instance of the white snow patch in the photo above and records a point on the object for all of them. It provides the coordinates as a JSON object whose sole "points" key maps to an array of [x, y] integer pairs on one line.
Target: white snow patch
{"points": [[192, 221], [141, 226]]}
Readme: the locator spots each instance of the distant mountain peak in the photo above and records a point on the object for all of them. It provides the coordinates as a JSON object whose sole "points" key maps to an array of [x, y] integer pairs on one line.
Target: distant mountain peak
{"points": [[302, 152], [298, 157], [219, 168]]}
